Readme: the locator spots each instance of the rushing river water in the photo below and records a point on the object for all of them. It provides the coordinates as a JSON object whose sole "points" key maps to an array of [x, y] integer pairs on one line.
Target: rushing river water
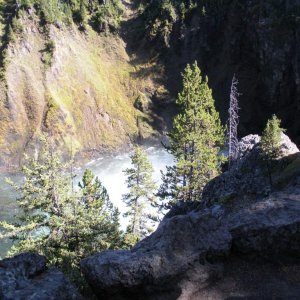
{"points": [[108, 169]]}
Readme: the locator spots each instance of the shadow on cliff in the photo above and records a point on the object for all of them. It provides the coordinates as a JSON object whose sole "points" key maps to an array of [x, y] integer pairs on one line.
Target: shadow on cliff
{"points": [[147, 63], [259, 42]]}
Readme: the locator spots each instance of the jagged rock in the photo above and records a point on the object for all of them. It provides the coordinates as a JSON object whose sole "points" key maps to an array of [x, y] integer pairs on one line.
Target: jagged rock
{"points": [[163, 262], [247, 248], [247, 143], [287, 146], [26, 276], [249, 174], [189, 254]]}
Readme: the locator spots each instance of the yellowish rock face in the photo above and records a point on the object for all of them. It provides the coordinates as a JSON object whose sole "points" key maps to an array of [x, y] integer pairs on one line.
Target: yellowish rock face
{"points": [[82, 92]]}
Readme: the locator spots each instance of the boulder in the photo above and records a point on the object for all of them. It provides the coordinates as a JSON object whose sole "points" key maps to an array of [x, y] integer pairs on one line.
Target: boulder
{"points": [[26, 276], [190, 254], [246, 247], [248, 175], [247, 143]]}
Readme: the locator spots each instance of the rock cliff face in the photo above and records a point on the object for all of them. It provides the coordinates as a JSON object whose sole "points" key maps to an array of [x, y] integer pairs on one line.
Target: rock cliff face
{"points": [[26, 277], [247, 246], [257, 40], [79, 87], [84, 86]]}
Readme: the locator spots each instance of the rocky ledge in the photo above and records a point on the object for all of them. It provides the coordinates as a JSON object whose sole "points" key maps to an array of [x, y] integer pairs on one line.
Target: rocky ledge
{"points": [[248, 175], [242, 243], [26, 276]]}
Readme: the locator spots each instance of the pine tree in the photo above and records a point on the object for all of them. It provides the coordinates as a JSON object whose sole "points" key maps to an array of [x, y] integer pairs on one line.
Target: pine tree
{"points": [[92, 188], [64, 226], [98, 205], [233, 121], [270, 143], [141, 193], [195, 140]]}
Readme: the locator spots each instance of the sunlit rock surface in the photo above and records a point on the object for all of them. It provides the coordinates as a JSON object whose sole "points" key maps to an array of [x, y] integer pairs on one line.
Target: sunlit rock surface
{"points": [[248, 175]]}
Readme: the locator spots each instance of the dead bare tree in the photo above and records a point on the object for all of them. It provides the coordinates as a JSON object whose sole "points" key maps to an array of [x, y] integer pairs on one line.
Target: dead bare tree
{"points": [[233, 121]]}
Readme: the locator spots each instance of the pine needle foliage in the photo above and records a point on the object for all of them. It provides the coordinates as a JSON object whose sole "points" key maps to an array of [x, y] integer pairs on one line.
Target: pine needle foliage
{"points": [[195, 141], [270, 143], [271, 137], [160, 16], [140, 196], [57, 222], [82, 12]]}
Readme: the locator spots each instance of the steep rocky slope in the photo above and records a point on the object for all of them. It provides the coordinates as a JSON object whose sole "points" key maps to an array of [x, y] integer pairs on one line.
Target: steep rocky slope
{"points": [[246, 247], [257, 40], [80, 87]]}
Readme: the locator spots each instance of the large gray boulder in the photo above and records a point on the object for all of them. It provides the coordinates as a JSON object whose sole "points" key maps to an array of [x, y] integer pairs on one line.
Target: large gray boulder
{"points": [[248, 175], [189, 255], [247, 247], [26, 276]]}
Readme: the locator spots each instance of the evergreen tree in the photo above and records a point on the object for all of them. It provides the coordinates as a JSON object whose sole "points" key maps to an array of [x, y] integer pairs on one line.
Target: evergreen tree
{"points": [[195, 140], [141, 193], [270, 143], [92, 188], [64, 226]]}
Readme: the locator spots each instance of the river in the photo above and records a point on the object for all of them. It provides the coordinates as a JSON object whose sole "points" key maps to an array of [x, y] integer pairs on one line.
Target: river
{"points": [[109, 169]]}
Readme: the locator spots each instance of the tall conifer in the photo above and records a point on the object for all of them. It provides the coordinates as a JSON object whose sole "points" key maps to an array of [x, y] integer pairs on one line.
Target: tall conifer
{"points": [[270, 143], [195, 140], [141, 193]]}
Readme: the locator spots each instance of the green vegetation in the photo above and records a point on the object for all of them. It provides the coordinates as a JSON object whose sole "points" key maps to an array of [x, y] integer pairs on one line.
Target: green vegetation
{"points": [[195, 140], [140, 196], [160, 16], [7, 22], [48, 52], [58, 222], [271, 137], [102, 17], [107, 17], [81, 12], [290, 170], [270, 143]]}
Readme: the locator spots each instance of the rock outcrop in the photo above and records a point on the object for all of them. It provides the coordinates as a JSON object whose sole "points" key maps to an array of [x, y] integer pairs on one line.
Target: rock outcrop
{"points": [[249, 175], [246, 247], [259, 42], [82, 92], [26, 277]]}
